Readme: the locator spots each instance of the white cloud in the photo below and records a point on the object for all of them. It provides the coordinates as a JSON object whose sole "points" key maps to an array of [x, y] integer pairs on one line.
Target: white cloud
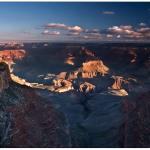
{"points": [[64, 27], [75, 28], [109, 36], [127, 32], [46, 32], [56, 26], [118, 36]]}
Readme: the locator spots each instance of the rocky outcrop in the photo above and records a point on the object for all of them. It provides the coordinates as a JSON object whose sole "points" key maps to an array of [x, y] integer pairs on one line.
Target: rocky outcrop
{"points": [[4, 76], [12, 54], [87, 87], [9, 56], [72, 75], [116, 88], [61, 85], [117, 85], [92, 68], [70, 60]]}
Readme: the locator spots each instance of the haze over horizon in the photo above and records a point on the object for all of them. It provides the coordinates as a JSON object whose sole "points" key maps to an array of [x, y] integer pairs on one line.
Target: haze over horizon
{"points": [[74, 21]]}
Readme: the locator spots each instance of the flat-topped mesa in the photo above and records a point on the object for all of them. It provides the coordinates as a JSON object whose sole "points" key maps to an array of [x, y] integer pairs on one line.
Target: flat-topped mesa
{"points": [[92, 68], [4, 76]]}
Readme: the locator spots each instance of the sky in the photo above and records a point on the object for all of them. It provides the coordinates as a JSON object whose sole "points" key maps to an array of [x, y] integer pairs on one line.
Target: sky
{"points": [[74, 21]]}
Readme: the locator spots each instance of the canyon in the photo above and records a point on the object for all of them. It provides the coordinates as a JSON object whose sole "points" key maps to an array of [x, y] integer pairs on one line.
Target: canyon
{"points": [[87, 98]]}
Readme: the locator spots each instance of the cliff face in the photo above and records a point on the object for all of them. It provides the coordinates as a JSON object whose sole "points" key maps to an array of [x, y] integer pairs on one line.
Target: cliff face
{"points": [[9, 56], [27, 120], [4, 76], [136, 128]]}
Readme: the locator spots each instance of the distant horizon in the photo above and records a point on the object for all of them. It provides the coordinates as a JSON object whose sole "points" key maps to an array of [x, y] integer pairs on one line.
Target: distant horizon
{"points": [[77, 42]]}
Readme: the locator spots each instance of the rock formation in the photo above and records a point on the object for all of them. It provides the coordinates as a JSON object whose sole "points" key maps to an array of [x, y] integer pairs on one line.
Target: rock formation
{"points": [[117, 85], [9, 56], [91, 68], [116, 88], [70, 59], [61, 85], [87, 87], [4, 76]]}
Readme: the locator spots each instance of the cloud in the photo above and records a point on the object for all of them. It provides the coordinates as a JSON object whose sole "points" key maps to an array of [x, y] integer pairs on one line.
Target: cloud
{"points": [[91, 37], [109, 36], [142, 24], [46, 32], [56, 26], [108, 12], [64, 27], [74, 29], [144, 29], [92, 31], [121, 32], [125, 31]]}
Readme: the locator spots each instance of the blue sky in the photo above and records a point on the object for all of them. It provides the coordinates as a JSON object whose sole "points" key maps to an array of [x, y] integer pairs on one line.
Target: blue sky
{"points": [[74, 21]]}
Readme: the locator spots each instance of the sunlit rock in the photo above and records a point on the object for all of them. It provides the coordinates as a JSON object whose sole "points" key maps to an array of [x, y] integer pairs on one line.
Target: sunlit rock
{"points": [[61, 85], [9, 56], [120, 92], [117, 85], [87, 87], [91, 68], [70, 60], [116, 88], [72, 75]]}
